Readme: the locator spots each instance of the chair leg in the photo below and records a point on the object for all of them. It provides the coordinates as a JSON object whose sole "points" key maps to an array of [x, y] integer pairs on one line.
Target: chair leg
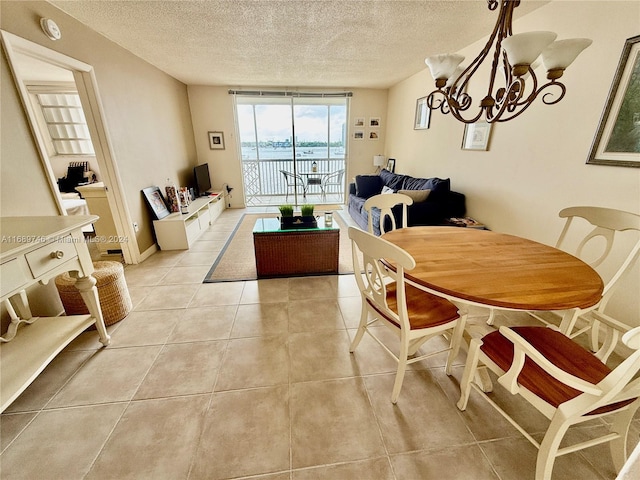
{"points": [[470, 368], [456, 340], [402, 367], [594, 334], [621, 424], [361, 328], [549, 447], [492, 316]]}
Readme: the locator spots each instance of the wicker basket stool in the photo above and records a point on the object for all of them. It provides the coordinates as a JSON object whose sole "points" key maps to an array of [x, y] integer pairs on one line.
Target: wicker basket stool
{"points": [[115, 301]]}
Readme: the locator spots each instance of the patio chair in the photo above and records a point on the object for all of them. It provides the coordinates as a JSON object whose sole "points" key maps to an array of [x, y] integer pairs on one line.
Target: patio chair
{"points": [[334, 179], [384, 202], [412, 314], [565, 382], [294, 180]]}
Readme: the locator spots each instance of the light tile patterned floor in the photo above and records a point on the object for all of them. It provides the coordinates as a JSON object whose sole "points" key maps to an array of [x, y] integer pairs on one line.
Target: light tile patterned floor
{"points": [[255, 380]]}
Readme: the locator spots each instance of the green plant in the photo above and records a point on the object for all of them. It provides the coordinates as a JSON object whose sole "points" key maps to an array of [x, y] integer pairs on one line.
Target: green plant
{"points": [[306, 210], [286, 210]]}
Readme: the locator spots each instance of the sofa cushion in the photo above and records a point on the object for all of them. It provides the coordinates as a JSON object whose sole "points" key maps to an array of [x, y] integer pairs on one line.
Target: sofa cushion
{"points": [[392, 180], [368, 185], [416, 195]]}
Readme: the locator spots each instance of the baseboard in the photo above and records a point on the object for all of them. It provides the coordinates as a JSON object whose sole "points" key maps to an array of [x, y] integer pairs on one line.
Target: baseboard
{"points": [[148, 252]]}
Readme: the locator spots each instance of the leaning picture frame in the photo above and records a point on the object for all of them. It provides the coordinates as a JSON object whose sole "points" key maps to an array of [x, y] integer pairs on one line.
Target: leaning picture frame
{"points": [[216, 140], [155, 200], [476, 136], [391, 165], [423, 114], [617, 140]]}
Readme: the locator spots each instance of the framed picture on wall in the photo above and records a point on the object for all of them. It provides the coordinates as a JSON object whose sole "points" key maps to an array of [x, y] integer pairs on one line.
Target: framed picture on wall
{"points": [[617, 141], [216, 140], [374, 122], [358, 134], [476, 136], [156, 202], [359, 122], [423, 114]]}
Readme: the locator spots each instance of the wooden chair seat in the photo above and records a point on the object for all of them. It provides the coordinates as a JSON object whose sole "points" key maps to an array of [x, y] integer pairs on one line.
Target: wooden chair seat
{"points": [[425, 310], [564, 381], [559, 350]]}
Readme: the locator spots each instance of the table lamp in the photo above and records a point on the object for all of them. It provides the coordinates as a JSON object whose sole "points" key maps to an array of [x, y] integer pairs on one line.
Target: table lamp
{"points": [[378, 162]]}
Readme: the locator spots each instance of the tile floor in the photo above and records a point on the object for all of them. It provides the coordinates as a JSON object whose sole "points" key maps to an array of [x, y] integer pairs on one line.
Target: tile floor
{"points": [[255, 380]]}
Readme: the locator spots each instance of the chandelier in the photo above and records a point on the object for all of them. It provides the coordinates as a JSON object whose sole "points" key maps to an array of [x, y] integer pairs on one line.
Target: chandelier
{"points": [[514, 59]]}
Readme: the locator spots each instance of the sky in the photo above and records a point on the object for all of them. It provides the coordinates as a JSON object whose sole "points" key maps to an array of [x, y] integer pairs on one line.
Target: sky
{"points": [[273, 122]]}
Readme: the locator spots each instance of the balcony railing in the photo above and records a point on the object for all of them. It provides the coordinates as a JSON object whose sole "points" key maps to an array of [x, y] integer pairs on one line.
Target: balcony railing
{"points": [[264, 179]]}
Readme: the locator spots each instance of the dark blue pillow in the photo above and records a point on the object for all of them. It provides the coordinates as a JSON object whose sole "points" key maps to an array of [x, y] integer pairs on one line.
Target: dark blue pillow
{"points": [[392, 180], [368, 185]]}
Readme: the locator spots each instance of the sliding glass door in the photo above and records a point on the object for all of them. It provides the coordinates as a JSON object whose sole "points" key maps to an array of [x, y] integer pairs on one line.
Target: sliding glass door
{"points": [[293, 148]]}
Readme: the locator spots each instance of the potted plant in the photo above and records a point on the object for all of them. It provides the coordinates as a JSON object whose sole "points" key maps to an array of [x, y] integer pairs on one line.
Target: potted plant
{"points": [[286, 210], [305, 220], [307, 210]]}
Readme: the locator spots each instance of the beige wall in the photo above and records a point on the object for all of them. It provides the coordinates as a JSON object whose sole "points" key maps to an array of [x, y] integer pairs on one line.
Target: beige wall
{"points": [[212, 110], [535, 165], [147, 115]]}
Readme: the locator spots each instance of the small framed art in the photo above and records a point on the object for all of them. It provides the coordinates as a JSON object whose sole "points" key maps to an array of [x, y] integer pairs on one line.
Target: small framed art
{"points": [[216, 140], [374, 122], [358, 134], [476, 136], [391, 165], [156, 202], [423, 114]]}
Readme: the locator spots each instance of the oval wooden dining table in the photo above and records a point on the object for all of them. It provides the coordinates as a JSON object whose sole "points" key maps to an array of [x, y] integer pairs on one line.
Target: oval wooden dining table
{"points": [[486, 268]]}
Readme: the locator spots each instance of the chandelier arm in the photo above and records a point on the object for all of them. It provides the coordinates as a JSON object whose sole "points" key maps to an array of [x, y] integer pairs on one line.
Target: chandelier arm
{"points": [[560, 85], [468, 72]]}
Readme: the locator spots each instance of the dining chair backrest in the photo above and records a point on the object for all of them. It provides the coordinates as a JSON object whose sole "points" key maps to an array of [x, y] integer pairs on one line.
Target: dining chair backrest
{"points": [[372, 276], [607, 224], [385, 202]]}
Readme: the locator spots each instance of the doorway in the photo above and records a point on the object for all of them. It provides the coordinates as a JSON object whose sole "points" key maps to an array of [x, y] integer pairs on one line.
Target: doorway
{"points": [[33, 64], [292, 147]]}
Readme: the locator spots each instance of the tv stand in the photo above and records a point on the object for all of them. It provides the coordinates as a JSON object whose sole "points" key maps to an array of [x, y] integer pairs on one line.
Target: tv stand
{"points": [[179, 231]]}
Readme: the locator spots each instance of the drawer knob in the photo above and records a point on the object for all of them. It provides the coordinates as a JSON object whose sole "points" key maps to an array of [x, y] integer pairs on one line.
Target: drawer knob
{"points": [[57, 254]]}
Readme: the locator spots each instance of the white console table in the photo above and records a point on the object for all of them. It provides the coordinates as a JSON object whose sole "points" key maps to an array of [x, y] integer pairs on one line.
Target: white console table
{"points": [[178, 231], [32, 250]]}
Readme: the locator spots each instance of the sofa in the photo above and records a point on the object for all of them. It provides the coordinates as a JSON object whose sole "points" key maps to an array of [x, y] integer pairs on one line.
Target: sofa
{"points": [[433, 199]]}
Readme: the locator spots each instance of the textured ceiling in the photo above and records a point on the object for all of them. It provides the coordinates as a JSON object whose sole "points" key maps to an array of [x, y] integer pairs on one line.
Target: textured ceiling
{"points": [[289, 43]]}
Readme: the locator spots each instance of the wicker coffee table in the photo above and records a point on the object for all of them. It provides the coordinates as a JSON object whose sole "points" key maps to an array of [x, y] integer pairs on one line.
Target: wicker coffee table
{"points": [[284, 253]]}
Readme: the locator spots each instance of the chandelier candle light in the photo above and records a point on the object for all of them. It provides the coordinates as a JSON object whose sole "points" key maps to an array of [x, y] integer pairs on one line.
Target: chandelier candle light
{"points": [[515, 57]]}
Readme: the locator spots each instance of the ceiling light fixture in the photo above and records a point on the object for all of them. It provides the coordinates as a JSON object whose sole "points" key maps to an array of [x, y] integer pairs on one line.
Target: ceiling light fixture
{"points": [[514, 57]]}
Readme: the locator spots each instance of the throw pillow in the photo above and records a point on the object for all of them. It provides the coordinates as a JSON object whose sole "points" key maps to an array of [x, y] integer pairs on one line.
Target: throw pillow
{"points": [[386, 189], [368, 185], [416, 195]]}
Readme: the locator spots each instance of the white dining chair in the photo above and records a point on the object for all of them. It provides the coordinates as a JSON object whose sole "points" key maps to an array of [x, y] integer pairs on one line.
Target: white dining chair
{"points": [[385, 202], [414, 315], [604, 225], [565, 382]]}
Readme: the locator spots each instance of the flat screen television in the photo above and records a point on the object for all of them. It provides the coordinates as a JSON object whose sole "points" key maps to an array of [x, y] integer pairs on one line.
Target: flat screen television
{"points": [[202, 179]]}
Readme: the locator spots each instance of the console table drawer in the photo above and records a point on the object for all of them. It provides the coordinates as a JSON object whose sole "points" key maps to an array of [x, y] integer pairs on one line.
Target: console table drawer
{"points": [[51, 256], [13, 277]]}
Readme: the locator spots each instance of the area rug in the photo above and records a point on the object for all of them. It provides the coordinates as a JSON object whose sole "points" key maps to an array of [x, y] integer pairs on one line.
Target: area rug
{"points": [[237, 261]]}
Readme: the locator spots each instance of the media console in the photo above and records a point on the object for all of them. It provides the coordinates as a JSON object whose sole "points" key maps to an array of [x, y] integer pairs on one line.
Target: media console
{"points": [[179, 231]]}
